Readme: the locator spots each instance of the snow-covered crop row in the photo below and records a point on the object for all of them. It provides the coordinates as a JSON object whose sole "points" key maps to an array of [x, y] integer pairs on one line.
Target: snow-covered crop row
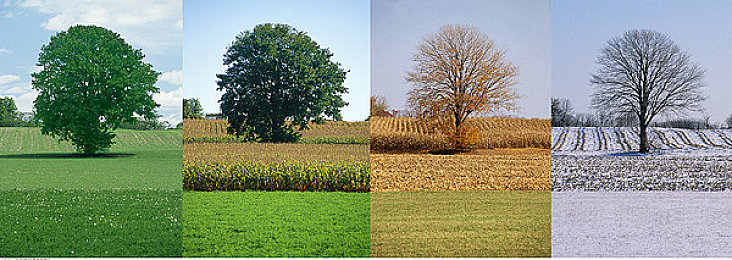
{"points": [[647, 172], [619, 139]]}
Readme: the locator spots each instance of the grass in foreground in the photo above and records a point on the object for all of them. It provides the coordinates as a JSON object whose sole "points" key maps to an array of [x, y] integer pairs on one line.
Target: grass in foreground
{"points": [[461, 224], [77, 223], [271, 224]]}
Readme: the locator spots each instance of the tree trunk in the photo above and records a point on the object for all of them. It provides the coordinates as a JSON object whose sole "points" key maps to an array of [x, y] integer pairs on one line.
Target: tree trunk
{"points": [[643, 138]]}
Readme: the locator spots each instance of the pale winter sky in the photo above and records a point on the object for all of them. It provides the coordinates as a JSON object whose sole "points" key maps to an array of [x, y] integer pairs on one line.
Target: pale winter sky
{"points": [[339, 25], [520, 27], [155, 26], [581, 28]]}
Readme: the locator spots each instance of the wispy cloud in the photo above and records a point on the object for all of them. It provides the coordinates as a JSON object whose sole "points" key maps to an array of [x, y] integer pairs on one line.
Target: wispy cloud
{"points": [[173, 77], [4, 50], [153, 25], [5, 79]]}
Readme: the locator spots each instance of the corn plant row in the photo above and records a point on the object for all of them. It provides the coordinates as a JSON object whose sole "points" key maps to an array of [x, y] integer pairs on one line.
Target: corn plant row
{"points": [[279, 176]]}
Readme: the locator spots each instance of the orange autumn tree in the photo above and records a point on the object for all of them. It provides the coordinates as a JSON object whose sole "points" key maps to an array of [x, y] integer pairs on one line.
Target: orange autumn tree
{"points": [[458, 73]]}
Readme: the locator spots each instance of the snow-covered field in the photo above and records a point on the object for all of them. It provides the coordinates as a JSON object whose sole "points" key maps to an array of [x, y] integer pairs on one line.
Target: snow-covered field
{"points": [[604, 158], [642, 224], [609, 140]]}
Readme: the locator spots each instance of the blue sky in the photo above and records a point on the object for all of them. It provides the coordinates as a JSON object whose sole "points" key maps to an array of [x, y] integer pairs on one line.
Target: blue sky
{"points": [[703, 28], [155, 26], [520, 27], [340, 25]]}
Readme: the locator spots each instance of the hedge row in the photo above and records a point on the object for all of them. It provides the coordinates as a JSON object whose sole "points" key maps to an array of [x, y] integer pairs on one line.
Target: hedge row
{"points": [[282, 176]]}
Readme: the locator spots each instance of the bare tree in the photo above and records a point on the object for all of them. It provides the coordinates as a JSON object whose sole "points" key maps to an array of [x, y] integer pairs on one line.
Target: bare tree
{"points": [[378, 106], [458, 73], [645, 73], [562, 112]]}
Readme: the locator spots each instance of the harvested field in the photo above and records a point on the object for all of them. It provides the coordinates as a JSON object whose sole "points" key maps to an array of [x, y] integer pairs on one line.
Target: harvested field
{"points": [[616, 139], [642, 173], [603, 158], [271, 152], [512, 169], [404, 134]]}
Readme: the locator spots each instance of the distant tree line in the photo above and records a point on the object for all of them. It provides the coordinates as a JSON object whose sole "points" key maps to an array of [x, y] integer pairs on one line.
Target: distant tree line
{"points": [[11, 117], [563, 115]]}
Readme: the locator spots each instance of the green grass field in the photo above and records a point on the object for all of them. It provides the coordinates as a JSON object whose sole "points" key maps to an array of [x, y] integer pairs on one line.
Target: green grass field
{"points": [[461, 224], [52, 203], [48, 222], [275, 224]]}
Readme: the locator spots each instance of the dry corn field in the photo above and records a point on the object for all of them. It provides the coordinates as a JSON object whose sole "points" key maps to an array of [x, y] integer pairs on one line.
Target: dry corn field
{"points": [[403, 134], [269, 152], [217, 127], [527, 170]]}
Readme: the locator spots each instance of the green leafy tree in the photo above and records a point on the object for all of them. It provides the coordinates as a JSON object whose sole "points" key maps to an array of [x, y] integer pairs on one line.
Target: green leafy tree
{"points": [[9, 115], [192, 108], [92, 81], [277, 80]]}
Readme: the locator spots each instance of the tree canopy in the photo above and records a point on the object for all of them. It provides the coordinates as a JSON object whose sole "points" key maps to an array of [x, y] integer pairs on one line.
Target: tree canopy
{"points": [[192, 108], [91, 82], [646, 74], [276, 81], [9, 115]]}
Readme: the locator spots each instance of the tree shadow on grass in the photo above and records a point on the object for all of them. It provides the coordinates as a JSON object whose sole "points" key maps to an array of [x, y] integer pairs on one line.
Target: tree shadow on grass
{"points": [[63, 156]]}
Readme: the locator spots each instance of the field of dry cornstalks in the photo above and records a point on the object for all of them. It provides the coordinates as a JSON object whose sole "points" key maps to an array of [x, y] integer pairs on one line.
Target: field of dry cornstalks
{"points": [[390, 134], [524, 169], [217, 128]]}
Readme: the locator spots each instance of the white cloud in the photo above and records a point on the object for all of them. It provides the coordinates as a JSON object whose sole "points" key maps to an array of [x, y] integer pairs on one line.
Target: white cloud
{"points": [[6, 14], [24, 102], [4, 50], [21, 92], [173, 77], [5, 79], [172, 100], [154, 25]]}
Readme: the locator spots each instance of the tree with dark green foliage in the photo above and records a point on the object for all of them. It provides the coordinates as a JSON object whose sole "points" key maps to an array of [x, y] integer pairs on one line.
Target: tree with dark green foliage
{"points": [[277, 80], [92, 81], [192, 108], [9, 115]]}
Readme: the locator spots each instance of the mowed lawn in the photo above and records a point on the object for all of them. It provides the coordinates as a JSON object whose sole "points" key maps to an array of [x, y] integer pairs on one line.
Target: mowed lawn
{"points": [[461, 224], [124, 203], [275, 224]]}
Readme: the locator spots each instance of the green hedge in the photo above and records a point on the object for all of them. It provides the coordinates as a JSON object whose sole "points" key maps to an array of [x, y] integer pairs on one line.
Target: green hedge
{"points": [[283, 176]]}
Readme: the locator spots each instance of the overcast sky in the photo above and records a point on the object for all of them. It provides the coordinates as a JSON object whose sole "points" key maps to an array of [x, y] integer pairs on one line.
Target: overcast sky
{"points": [[155, 26], [520, 27], [581, 28], [339, 25]]}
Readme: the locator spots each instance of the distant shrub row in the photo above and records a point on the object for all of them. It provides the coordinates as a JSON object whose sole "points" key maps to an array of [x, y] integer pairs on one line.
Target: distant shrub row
{"points": [[312, 140], [281, 176]]}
